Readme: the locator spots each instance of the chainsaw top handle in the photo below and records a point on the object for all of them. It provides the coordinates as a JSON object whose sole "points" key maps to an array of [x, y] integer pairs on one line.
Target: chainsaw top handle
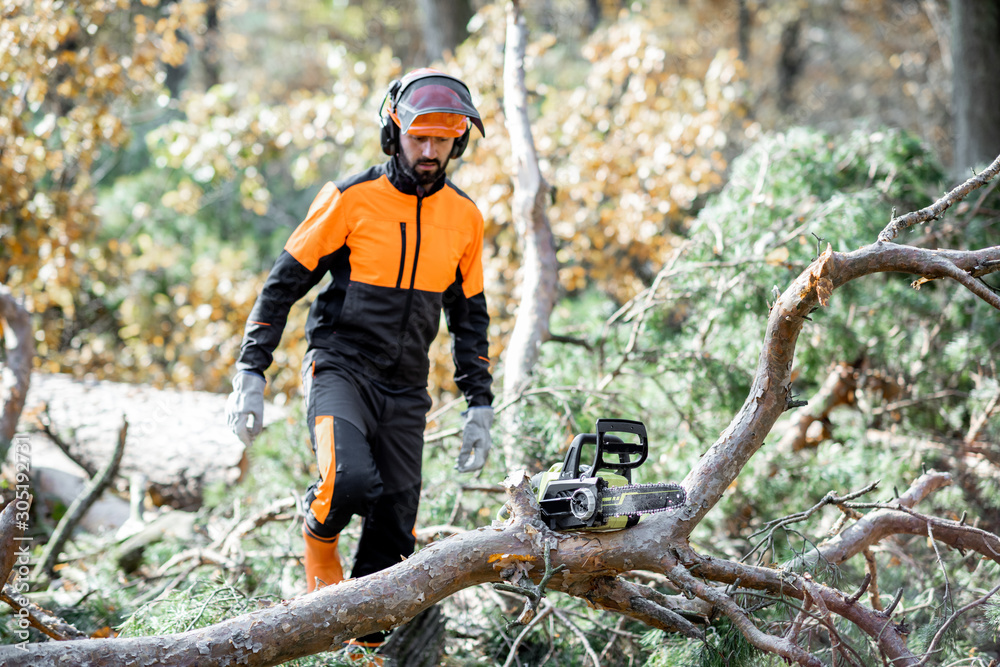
{"points": [[608, 444]]}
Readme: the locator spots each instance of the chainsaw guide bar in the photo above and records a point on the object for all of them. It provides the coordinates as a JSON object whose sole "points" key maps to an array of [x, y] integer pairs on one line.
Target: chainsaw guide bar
{"points": [[641, 499]]}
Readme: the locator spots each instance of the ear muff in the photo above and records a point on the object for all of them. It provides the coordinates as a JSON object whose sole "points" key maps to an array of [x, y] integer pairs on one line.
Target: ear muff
{"points": [[389, 136], [460, 144]]}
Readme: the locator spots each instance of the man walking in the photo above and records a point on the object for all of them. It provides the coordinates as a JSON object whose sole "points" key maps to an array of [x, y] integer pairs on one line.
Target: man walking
{"points": [[400, 243]]}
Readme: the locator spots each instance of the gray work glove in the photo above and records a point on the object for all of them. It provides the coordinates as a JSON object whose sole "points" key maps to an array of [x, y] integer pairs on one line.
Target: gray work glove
{"points": [[475, 439], [247, 400]]}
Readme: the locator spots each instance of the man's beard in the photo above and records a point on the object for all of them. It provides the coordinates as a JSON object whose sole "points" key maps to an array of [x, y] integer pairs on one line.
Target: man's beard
{"points": [[422, 177]]}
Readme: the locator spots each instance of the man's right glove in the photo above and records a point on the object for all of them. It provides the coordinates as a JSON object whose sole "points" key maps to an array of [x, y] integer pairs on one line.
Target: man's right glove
{"points": [[247, 400], [475, 439]]}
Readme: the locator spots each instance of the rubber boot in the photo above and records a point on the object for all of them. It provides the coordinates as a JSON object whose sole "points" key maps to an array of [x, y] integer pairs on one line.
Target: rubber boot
{"points": [[322, 562]]}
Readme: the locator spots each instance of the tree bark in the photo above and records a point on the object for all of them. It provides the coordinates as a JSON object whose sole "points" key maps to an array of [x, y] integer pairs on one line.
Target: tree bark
{"points": [[976, 82], [538, 274], [15, 375], [769, 394], [513, 552], [10, 532]]}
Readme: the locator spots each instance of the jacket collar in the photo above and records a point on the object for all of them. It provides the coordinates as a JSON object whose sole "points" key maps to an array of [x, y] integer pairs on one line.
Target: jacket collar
{"points": [[406, 184]]}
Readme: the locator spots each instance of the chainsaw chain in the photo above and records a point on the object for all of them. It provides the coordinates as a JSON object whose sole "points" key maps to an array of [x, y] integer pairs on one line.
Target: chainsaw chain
{"points": [[664, 487]]}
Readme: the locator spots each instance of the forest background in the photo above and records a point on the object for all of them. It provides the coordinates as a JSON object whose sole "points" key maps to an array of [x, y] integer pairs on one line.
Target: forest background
{"points": [[155, 156]]}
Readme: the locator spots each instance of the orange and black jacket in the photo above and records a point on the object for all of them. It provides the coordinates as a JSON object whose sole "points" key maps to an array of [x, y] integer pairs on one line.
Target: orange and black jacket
{"points": [[397, 254]]}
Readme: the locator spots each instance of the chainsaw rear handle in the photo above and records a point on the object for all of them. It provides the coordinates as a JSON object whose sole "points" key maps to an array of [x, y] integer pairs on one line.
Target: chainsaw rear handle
{"points": [[608, 444]]}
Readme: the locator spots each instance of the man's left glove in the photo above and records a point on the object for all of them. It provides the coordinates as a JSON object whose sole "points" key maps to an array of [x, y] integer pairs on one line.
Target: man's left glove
{"points": [[475, 439], [246, 400]]}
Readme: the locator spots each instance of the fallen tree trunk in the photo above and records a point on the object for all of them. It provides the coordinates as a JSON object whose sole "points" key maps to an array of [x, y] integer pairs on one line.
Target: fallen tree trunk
{"points": [[178, 439], [322, 620]]}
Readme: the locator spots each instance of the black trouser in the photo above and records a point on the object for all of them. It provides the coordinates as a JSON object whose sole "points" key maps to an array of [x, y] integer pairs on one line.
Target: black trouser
{"points": [[368, 439]]}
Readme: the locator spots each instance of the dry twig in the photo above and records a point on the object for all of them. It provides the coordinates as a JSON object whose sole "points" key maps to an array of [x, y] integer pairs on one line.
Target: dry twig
{"points": [[575, 629], [80, 505], [547, 609], [872, 568], [41, 619], [939, 635], [45, 423]]}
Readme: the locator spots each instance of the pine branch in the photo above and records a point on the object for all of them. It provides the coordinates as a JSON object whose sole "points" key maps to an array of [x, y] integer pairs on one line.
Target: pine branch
{"points": [[937, 209], [765, 642]]}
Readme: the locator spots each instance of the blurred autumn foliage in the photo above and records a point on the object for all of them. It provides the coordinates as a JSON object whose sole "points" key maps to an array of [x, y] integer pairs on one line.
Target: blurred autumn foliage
{"points": [[141, 203], [72, 80]]}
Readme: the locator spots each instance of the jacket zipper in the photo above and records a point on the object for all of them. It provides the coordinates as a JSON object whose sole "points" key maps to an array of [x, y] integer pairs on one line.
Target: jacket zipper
{"points": [[416, 249], [413, 277], [402, 254]]}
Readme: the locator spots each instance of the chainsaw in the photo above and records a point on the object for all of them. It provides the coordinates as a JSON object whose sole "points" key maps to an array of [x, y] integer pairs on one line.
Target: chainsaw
{"points": [[601, 496]]}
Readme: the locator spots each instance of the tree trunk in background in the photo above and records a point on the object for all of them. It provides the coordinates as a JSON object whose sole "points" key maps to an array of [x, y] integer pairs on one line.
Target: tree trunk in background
{"points": [[790, 65], [976, 52], [594, 16], [538, 274], [210, 54], [743, 32], [176, 74], [445, 25], [15, 373]]}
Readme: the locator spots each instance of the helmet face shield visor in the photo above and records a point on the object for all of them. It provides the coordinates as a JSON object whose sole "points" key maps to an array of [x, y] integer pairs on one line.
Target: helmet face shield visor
{"points": [[438, 124], [436, 106]]}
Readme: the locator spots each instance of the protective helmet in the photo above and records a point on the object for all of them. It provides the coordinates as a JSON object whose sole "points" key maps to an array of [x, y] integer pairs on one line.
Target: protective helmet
{"points": [[430, 103]]}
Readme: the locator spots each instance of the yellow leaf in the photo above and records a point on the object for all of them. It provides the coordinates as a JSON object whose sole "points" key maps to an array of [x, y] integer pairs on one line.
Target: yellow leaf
{"points": [[777, 257]]}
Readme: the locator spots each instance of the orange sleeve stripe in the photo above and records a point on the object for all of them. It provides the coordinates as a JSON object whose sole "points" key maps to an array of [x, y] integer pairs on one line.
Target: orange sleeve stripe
{"points": [[263, 324], [322, 232]]}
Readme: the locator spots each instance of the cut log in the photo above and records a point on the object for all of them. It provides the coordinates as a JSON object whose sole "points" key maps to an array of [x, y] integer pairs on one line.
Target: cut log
{"points": [[178, 439]]}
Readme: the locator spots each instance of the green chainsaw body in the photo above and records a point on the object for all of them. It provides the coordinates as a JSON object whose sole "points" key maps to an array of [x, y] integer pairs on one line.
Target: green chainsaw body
{"points": [[601, 496]]}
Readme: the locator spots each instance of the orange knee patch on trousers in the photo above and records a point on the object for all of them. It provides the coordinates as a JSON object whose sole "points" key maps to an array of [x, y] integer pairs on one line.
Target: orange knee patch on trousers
{"points": [[326, 459]]}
